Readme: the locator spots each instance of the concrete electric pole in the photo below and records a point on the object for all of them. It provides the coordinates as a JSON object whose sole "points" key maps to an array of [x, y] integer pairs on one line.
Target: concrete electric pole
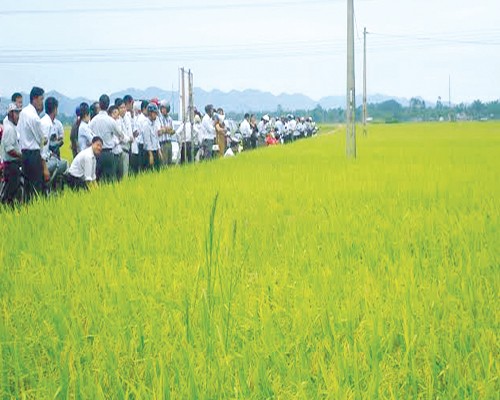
{"points": [[351, 86], [365, 111]]}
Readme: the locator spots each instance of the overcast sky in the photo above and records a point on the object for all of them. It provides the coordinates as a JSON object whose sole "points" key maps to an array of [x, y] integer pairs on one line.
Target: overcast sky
{"points": [[84, 48]]}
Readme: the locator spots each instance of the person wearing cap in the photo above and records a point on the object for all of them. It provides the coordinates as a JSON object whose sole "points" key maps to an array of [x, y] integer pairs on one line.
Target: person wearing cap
{"points": [[10, 153], [263, 126], [31, 140], [208, 132], [151, 141], [82, 172], [108, 130], [73, 136], [85, 134]]}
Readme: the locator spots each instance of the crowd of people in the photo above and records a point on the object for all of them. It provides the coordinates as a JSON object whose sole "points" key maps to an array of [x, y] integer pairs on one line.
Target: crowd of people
{"points": [[109, 141]]}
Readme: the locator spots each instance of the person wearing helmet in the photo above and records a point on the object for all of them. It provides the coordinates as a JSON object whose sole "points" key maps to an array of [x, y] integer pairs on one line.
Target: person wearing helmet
{"points": [[151, 140], [10, 153]]}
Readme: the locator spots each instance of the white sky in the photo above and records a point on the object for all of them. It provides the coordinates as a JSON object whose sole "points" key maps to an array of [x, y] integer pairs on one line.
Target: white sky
{"points": [[289, 46]]}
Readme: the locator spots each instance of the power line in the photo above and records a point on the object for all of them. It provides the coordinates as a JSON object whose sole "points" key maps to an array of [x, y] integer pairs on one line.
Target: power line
{"points": [[163, 8]]}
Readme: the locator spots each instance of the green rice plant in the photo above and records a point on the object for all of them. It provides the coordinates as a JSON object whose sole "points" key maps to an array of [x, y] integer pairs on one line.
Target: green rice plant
{"points": [[287, 272]]}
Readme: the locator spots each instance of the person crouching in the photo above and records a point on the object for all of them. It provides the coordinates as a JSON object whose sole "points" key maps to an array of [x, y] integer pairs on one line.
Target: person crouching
{"points": [[81, 173]]}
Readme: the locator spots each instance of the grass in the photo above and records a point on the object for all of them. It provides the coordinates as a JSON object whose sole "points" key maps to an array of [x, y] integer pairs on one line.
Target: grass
{"points": [[286, 273]]}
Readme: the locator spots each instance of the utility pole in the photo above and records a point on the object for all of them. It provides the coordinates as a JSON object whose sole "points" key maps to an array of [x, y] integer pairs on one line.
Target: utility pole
{"points": [[351, 86], [191, 110], [449, 91], [364, 84], [183, 107]]}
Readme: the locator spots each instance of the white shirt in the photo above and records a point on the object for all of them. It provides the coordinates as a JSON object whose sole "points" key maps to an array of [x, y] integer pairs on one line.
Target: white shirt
{"points": [[127, 131], [107, 129], [30, 129], [291, 126], [180, 132], [280, 127], [49, 129], [84, 164], [196, 133], [59, 128], [208, 131], [262, 128], [245, 129], [9, 141], [85, 136], [150, 136]]}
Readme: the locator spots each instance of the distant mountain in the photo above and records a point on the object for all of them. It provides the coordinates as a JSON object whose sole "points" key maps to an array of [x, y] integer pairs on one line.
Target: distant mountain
{"points": [[340, 101], [233, 101]]}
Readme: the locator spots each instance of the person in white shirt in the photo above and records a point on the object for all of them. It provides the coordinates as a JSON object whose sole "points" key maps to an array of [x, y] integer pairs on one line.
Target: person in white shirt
{"points": [[32, 139], [128, 130], [186, 137], [10, 153], [280, 128], [107, 129], [208, 132], [55, 166], [151, 140], [167, 132], [82, 173], [58, 141], [246, 131], [85, 134], [142, 120], [137, 148], [126, 127], [290, 128]]}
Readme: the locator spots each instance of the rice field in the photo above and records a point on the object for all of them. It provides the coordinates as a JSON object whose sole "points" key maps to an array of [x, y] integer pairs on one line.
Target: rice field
{"points": [[285, 273]]}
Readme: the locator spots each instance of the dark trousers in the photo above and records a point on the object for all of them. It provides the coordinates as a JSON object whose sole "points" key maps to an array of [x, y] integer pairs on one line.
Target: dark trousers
{"points": [[106, 167], [156, 161], [167, 153], [76, 183], [134, 163], [12, 180], [119, 166], [33, 173], [207, 145], [253, 141], [186, 154], [143, 159]]}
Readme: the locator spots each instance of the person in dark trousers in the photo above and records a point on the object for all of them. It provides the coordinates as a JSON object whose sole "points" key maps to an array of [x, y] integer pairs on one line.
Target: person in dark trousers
{"points": [[82, 173], [152, 148], [73, 136], [31, 140], [11, 155], [108, 130]]}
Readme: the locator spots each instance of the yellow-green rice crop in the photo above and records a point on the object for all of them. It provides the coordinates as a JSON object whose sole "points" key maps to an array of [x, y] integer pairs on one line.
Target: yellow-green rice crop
{"points": [[285, 273]]}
